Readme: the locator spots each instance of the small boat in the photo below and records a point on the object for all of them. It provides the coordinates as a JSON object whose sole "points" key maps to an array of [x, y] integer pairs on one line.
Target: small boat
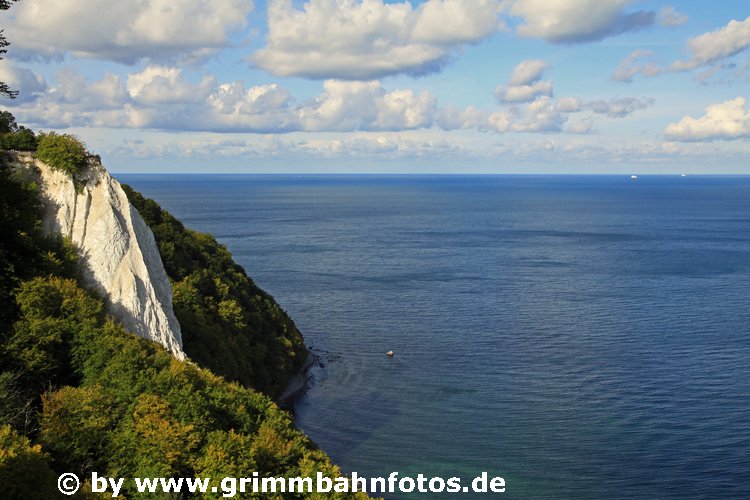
{"points": [[389, 354], [633, 177], [683, 175]]}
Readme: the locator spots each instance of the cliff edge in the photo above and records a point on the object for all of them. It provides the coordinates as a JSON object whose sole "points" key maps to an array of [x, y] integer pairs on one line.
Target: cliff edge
{"points": [[119, 256]]}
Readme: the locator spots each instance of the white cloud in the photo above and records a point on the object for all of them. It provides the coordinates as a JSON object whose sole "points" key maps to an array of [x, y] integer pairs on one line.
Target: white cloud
{"points": [[364, 40], [451, 118], [524, 84], [619, 107], [585, 126], [171, 99], [30, 84], [540, 116], [449, 22], [125, 31], [424, 151], [367, 106], [500, 121], [232, 100], [710, 48], [631, 66], [527, 72], [74, 92], [162, 85], [591, 150], [669, 16], [569, 105], [572, 21], [523, 93], [723, 121], [362, 146], [160, 97]]}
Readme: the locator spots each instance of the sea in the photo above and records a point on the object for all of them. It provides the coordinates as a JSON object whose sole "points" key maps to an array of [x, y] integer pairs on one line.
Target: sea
{"points": [[579, 336]]}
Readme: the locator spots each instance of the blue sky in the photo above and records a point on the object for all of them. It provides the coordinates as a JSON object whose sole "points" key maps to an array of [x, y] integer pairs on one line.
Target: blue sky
{"points": [[459, 86]]}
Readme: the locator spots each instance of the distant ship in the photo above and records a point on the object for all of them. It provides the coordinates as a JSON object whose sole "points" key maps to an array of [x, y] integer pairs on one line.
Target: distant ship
{"points": [[683, 175], [633, 177]]}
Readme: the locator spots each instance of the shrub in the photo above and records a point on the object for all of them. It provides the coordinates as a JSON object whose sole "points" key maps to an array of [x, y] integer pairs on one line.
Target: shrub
{"points": [[63, 152], [22, 139]]}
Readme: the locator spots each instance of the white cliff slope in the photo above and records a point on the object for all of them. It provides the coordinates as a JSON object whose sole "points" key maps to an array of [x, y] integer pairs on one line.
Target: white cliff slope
{"points": [[119, 254]]}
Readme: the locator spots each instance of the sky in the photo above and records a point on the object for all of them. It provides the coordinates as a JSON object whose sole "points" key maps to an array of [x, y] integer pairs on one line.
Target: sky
{"points": [[378, 86]]}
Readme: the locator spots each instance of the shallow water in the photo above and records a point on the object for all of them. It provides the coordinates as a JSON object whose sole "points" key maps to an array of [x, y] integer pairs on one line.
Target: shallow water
{"points": [[581, 336]]}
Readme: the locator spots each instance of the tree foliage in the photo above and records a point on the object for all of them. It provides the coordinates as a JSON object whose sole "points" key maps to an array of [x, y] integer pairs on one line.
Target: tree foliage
{"points": [[228, 324], [14, 137], [63, 152], [54, 312], [112, 402], [163, 417], [24, 468], [7, 122], [22, 139], [24, 251]]}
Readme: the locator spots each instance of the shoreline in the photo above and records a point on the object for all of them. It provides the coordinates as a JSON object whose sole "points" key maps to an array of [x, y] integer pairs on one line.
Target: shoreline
{"points": [[298, 384]]}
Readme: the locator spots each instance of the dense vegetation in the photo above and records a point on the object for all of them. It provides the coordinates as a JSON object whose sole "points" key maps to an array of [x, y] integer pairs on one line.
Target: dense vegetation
{"points": [[229, 325], [79, 394], [14, 137], [62, 152], [22, 139]]}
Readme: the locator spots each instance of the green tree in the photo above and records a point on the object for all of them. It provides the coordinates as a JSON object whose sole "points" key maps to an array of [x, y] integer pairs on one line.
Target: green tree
{"points": [[24, 251], [7, 122], [129, 408], [22, 139], [226, 454], [76, 426], [19, 231], [54, 311], [229, 324], [24, 468], [163, 444], [62, 152]]}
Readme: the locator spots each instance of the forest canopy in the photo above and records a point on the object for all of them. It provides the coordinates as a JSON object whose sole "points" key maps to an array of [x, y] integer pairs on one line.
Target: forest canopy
{"points": [[78, 393]]}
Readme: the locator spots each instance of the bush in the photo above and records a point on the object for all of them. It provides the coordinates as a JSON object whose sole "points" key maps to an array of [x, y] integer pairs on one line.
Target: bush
{"points": [[21, 140], [63, 152]]}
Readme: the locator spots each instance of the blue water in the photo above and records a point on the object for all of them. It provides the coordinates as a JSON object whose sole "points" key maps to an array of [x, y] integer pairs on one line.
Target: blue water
{"points": [[581, 336]]}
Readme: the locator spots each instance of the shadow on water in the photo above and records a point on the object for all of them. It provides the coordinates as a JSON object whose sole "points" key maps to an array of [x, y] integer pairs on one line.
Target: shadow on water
{"points": [[370, 411]]}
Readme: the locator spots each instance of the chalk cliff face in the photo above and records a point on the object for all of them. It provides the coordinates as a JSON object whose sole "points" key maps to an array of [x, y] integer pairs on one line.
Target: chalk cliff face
{"points": [[119, 255]]}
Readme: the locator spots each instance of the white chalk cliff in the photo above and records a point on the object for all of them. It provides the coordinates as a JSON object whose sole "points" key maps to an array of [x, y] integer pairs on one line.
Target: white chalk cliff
{"points": [[119, 254]]}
